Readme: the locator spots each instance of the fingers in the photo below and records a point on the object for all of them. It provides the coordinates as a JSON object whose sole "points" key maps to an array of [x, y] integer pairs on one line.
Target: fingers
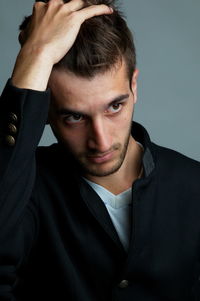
{"points": [[94, 10], [55, 3], [39, 7], [38, 4], [75, 5], [47, 4], [70, 6]]}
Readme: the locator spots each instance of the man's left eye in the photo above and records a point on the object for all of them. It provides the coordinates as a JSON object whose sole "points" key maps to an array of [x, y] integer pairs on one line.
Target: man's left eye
{"points": [[115, 108]]}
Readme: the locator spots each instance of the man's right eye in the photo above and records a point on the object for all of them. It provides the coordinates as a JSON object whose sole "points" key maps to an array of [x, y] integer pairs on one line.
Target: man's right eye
{"points": [[73, 118]]}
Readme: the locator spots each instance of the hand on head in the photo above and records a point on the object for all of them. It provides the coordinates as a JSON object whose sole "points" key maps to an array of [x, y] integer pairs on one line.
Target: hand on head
{"points": [[55, 25], [47, 36]]}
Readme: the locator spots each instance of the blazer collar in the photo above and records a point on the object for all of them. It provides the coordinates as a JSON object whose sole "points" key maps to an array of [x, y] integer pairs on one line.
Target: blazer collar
{"points": [[140, 134]]}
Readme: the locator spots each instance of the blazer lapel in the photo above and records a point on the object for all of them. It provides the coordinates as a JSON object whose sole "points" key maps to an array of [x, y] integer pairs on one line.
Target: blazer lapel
{"points": [[99, 211]]}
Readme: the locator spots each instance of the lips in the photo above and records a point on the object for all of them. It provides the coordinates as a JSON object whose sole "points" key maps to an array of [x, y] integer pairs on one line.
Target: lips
{"points": [[101, 158]]}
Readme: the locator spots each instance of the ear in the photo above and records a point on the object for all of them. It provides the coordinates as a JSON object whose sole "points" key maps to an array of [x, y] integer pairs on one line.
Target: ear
{"points": [[134, 84]]}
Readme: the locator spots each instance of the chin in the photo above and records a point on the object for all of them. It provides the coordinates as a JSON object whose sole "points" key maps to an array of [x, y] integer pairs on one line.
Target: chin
{"points": [[101, 171]]}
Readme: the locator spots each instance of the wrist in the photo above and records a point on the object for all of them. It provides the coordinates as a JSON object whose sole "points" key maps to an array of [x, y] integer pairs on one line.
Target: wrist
{"points": [[32, 69]]}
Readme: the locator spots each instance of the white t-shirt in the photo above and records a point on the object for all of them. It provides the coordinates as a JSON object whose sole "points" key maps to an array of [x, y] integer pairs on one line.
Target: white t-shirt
{"points": [[119, 209]]}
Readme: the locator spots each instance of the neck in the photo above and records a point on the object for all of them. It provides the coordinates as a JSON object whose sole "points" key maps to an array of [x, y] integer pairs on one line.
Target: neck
{"points": [[130, 171]]}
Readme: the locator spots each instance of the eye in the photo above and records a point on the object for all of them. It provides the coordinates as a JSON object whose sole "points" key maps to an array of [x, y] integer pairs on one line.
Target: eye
{"points": [[73, 118], [114, 108]]}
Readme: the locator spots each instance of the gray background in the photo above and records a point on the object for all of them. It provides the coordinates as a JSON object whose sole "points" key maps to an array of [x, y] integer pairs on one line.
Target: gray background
{"points": [[168, 47]]}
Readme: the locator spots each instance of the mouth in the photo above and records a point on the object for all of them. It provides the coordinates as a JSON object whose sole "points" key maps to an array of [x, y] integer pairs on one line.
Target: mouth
{"points": [[101, 158]]}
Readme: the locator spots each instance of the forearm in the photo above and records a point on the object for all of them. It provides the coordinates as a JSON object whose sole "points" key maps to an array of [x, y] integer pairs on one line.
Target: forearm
{"points": [[17, 161], [32, 69]]}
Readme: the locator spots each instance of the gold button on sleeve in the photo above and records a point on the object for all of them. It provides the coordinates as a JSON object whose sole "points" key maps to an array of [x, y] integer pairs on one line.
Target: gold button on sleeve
{"points": [[13, 117], [10, 140], [12, 128], [123, 284]]}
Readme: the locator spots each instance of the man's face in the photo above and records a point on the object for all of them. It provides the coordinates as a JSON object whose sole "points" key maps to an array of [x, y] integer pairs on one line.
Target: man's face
{"points": [[92, 117]]}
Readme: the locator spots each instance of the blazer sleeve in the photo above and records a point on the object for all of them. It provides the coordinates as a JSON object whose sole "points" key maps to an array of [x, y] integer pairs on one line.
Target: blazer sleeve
{"points": [[23, 115]]}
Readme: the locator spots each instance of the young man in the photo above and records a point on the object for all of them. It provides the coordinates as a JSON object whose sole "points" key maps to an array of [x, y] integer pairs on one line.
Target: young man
{"points": [[104, 214]]}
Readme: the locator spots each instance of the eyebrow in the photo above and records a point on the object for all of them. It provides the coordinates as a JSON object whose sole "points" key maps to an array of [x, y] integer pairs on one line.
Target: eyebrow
{"points": [[66, 111]]}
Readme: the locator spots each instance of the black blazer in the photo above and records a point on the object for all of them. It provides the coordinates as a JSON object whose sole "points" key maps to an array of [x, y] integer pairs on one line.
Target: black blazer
{"points": [[57, 241]]}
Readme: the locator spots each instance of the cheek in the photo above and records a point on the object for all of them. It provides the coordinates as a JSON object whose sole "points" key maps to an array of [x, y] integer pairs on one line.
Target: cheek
{"points": [[125, 118], [125, 122], [73, 139]]}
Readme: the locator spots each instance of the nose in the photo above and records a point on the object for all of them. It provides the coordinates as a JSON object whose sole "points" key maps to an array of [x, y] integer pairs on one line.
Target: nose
{"points": [[99, 138]]}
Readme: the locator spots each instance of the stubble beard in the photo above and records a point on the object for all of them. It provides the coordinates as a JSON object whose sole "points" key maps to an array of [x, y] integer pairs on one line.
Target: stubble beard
{"points": [[94, 170]]}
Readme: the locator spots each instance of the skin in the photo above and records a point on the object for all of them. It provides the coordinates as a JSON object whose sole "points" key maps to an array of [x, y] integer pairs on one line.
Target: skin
{"points": [[101, 142], [54, 25], [92, 118]]}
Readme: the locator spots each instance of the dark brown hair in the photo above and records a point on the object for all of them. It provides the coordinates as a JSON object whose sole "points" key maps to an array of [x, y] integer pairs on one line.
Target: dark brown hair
{"points": [[102, 41]]}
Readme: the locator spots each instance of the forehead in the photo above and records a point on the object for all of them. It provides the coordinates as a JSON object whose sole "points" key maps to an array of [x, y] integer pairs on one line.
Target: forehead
{"points": [[74, 91]]}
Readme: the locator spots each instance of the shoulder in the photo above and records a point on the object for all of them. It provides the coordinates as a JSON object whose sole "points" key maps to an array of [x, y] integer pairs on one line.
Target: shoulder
{"points": [[46, 152], [177, 177], [53, 158], [50, 158], [175, 165]]}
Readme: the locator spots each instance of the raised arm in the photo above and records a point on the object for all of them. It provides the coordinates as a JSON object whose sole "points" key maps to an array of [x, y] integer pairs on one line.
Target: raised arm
{"points": [[49, 36], [51, 32]]}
